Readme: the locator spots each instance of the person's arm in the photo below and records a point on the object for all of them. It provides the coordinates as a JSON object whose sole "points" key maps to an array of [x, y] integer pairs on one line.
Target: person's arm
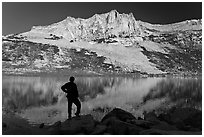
{"points": [[77, 94], [64, 88]]}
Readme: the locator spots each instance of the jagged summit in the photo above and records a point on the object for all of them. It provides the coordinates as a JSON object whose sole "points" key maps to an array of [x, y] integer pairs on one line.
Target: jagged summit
{"points": [[110, 24], [98, 26], [111, 41]]}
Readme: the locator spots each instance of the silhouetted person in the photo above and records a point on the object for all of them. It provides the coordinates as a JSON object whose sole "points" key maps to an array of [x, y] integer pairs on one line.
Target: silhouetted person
{"points": [[72, 95]]}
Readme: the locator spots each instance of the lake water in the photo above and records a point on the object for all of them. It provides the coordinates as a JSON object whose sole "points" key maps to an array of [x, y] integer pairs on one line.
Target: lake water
{"points": [[40, 99]]}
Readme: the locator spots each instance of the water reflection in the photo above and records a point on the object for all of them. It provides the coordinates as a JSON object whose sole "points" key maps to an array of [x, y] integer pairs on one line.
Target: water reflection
{"points": [[24, 92], [182, 92], [40, 99]]}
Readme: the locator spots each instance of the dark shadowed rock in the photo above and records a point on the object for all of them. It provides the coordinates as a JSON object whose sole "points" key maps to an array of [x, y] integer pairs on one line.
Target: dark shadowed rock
{"points": [[117, 122], [15, 125], [83, 124], [106, 134], [41, 125], [80, 134], [195, 120], [57, 124], [164, 126], [108, 121], [165, 117], [118, 127], [99, 130], [181, 114], [54, 131], [139, 118], [119, 114], [182, 126], [184, 118], [164, 132], [142, 123], [152, 117], [194, 129], [4, 125], [151, 132], [55, 128]]}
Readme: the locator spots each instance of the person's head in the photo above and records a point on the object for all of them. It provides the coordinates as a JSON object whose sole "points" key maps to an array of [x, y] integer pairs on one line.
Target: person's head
{"points": [[71, 79]]}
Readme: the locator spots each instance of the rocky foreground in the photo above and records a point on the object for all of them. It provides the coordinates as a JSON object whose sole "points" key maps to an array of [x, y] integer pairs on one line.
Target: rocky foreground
{"points": [[177, 121]]}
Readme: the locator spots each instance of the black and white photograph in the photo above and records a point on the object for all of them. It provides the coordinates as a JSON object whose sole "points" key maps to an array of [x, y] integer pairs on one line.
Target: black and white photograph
{"points": [[102, 68]]}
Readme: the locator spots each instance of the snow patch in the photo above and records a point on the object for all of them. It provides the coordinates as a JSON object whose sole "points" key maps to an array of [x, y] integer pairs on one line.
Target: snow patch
{"points": [[65, 66], [40, 63], [152, 46]]}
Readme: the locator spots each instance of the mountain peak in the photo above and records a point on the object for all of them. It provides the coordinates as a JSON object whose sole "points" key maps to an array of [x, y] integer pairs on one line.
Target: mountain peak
{"points": [[98, 26], [108, 24], [131, 45], [114, 12]]}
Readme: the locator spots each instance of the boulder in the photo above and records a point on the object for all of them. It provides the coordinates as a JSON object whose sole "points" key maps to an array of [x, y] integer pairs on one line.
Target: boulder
{"points": [[99, 130], [83, 124], [118, 127], [119, 114], [108, 121]]}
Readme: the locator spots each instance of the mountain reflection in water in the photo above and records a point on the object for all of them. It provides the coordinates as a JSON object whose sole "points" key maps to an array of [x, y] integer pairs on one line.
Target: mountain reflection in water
{"points": [[40, 99]]}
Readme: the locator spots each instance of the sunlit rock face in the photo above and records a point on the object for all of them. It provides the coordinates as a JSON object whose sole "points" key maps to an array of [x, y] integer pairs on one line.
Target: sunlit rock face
{"points": [[111, 24], [111, 42], [98, 26]]}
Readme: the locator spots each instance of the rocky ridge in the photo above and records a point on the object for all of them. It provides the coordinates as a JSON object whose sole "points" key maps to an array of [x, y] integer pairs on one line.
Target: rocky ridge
{"points": [[117, 42], [111, 24]]}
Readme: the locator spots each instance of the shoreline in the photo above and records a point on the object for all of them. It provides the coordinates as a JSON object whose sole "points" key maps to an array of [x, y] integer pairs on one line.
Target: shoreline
{"points": [[85, 74], [178, 121]]}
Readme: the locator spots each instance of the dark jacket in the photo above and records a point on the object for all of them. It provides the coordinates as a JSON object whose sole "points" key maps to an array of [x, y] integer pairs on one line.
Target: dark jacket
{"points": [[71, 89]]}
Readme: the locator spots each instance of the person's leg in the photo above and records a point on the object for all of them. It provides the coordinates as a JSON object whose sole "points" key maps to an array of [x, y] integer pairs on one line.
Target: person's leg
{"points": [[78, 104], [69, 108]]}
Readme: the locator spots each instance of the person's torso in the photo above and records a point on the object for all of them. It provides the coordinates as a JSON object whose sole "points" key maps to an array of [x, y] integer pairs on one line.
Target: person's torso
{"points": [[72, 89]]}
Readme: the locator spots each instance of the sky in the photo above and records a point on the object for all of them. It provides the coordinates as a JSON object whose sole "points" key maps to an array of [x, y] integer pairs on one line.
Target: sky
{"points": [[19, 17]]}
